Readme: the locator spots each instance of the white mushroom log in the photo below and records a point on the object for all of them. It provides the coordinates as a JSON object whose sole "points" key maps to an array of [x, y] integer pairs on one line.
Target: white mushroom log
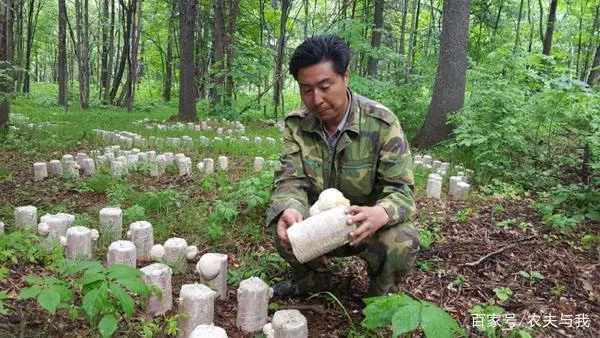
{"points": [[319, 234]]}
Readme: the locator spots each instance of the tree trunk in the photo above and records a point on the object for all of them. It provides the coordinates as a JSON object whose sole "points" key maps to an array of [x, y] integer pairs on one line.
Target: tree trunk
{"points": [[132, 59], [285, 12], [413, 36], [449, 89], [104, 70], [168, 83], [595, 72], [6, 27], [403, 26], [531, 28], [82, 29], [589, 47], [230, 47], [32, 18], [376, 36], [127, 13], [518, 30], [497, 22], [550, 28], [62, 55], [187, 85], [219, 52], [541, 20]]}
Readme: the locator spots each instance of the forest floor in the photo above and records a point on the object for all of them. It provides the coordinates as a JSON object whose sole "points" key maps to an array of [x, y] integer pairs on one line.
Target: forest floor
{"points": [[478, 246]]}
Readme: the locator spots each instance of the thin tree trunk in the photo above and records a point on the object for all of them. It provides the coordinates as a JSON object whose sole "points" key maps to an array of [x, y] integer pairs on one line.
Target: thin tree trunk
{"points": [[541, 20], [531, 28], [230, 47], [106, 99], [127, 18], [595, 72], [518, 30], [168, 83], [219, 51], [132, 59], [187, 85], [285, 11], [497, 22], [403, 26], [82, 26], [595, 25], [550, 28], [376, 36], [412, 38], [104, 70], [6, 27], [62, 55]]}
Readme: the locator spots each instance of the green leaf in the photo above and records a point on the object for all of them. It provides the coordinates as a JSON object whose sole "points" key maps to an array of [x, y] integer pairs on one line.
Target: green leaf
{"points": [[127, 303], [524, 274], [594, 215], [63, 291], [536, 275], [108, 325], [92, 303], [49, 300], [91, 277], [407, 318], [380, 310], [119, 271], [30, 292], [136, 285], [436, 323], [34, 280]]}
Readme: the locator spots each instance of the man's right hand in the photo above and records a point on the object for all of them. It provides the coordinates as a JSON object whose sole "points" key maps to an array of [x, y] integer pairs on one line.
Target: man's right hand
{"points": [[289, 217]]}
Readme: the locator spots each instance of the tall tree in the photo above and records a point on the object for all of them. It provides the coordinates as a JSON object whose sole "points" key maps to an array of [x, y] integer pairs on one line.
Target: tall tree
{"points": [[286, 7], [376, 36], [550, 28], [33, 12], [83, 51], [518, 29], [187, 84], [62, 54], [413, 36], [6, 27], [132, 59], [449, 88], [107, 21], [218, 51], [127, 19], [595, 72]]}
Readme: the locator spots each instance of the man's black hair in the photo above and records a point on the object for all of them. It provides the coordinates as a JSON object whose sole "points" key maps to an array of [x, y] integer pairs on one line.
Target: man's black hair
{"points": [[318, 49]]}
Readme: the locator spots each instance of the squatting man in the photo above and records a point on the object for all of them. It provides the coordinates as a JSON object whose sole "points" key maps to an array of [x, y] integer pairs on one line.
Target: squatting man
{"points": [[342, 140]]}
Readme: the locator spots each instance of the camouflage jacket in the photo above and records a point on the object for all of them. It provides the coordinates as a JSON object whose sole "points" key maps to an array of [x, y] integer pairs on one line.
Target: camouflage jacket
{"points": [[371, 164]]}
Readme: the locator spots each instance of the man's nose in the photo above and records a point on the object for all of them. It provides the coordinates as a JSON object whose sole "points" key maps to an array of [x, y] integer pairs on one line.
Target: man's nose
{"points": [[318, 98]]}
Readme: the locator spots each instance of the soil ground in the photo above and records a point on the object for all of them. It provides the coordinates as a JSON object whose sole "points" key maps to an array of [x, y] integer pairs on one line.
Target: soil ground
{"points": [[471, 256]]}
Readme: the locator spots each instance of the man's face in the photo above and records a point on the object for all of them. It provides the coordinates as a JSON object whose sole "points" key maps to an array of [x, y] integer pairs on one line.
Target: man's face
{"points": [[323, 92]]}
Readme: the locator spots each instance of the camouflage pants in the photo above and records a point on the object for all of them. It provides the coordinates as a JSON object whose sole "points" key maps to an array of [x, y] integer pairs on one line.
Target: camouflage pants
{"points": [[389, 254]]}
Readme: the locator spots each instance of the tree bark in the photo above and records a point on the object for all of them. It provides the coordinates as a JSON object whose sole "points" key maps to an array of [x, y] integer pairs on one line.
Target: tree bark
{"points": [[413, 37], [230, 46], [132, 58], [595, 25], [376, 36], [127, 13], [83, 60], [449, 89], [595, 72], [286, 6], [6, 27], [63, 88], [219, 52], [518, 29], [32, 19], [403, 26], [187, 85], [550, 28]]}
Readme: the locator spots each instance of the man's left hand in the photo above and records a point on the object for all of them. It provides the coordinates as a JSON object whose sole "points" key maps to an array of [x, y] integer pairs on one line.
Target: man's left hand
{"points": [[368, 219]]}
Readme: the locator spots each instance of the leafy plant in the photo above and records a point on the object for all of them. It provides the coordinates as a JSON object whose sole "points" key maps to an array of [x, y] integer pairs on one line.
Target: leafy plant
{"points": [[462, 216], [503, 293], [486, 311], [3, 296], [426, 238], [532, 275], [134, 213], [425, 265], [406, 315], [589, 241], [51, 293]]}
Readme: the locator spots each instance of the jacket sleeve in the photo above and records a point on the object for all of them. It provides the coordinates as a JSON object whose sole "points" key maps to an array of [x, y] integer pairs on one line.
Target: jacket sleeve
{"points": [[395, 181], [290, 183]]}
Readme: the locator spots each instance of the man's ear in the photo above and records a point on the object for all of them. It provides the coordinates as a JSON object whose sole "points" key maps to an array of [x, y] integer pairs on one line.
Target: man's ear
{"points": [[346, 76]]}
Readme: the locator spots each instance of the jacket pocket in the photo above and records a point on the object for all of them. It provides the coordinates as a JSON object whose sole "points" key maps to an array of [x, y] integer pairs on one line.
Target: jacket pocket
{"points": [[356, 180]]}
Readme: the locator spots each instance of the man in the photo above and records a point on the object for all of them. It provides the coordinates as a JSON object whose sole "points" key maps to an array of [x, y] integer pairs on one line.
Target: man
{"points": [[345, 141]]}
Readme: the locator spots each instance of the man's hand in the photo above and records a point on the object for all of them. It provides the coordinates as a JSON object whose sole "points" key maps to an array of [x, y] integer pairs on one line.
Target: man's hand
{"points": [[289, 217], [368, 219]]}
